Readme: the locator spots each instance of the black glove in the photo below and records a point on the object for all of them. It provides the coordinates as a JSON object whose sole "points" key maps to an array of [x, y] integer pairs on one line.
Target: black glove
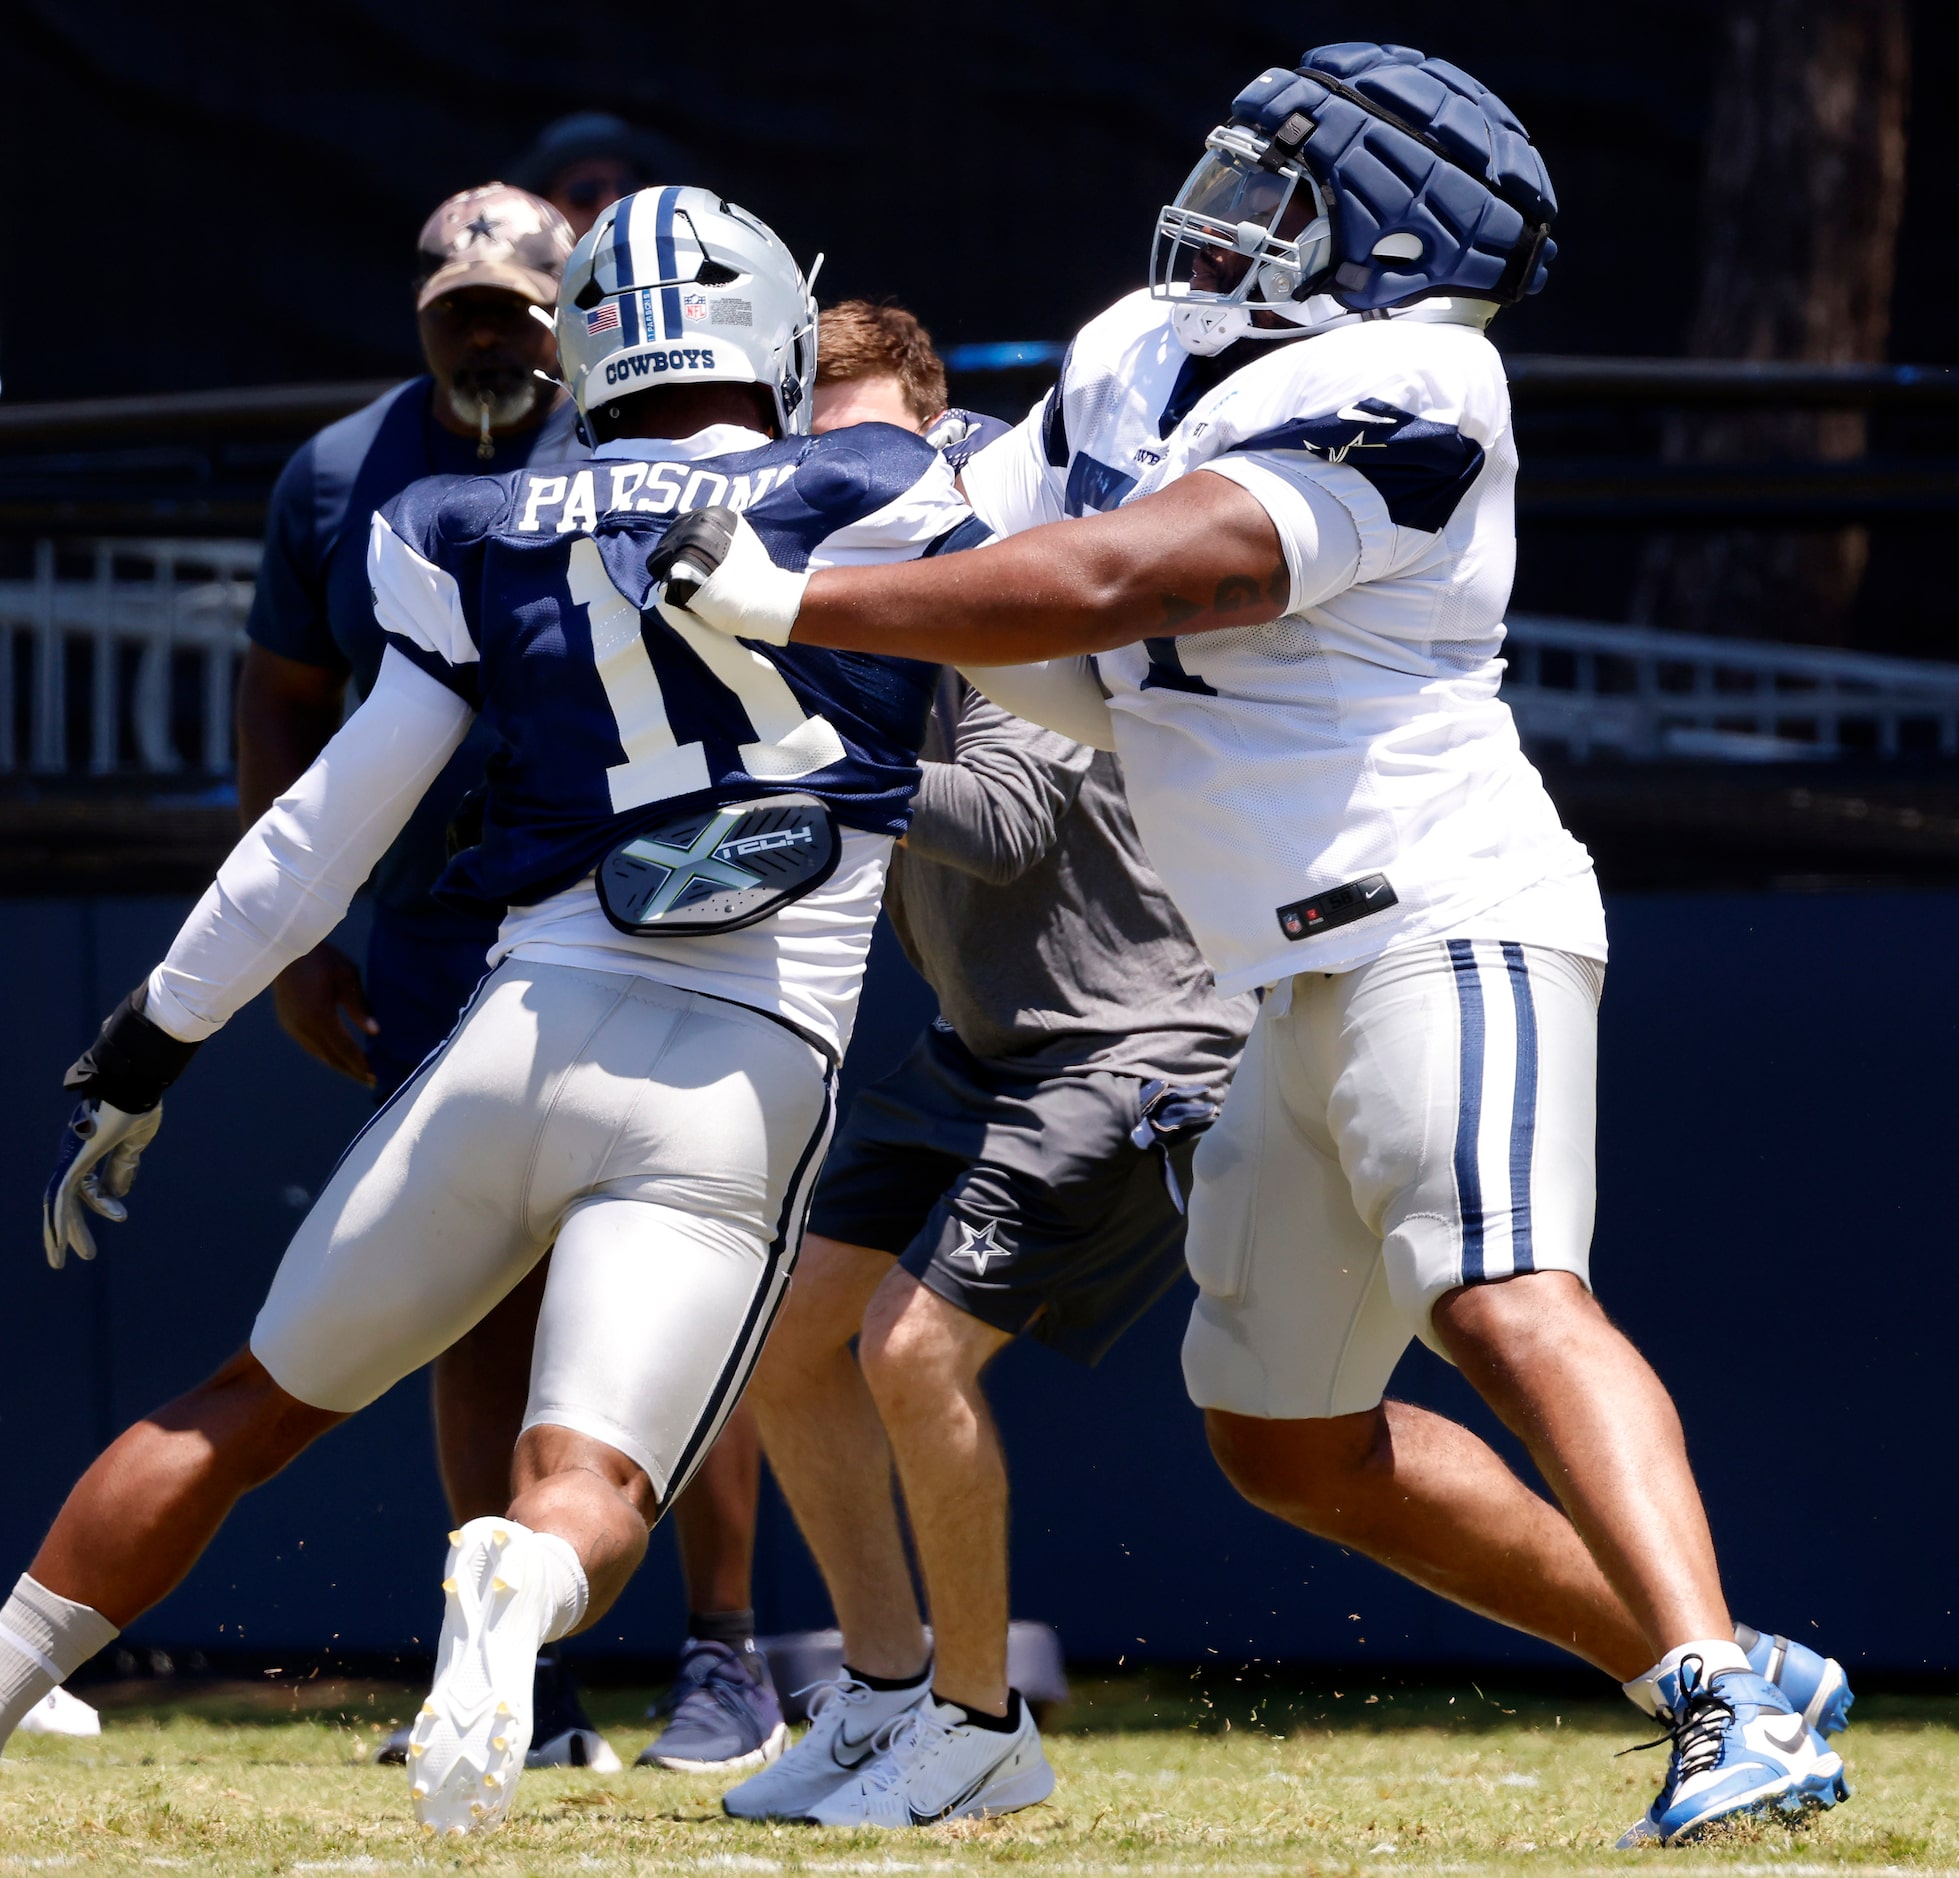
{"points": [[121, 1078], [131, 1062]]}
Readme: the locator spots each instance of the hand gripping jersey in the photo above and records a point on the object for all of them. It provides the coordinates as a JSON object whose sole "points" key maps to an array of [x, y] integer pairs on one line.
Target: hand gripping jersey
{"points": [[527, 595], [1343, 779]]}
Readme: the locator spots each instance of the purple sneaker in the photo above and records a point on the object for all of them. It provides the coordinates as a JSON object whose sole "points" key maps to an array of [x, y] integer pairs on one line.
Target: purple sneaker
{"points": [[723, 1713]]}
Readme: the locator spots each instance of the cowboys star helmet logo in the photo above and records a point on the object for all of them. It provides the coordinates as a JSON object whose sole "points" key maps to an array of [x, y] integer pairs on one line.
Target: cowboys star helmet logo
{"points": [[979, 1245]]}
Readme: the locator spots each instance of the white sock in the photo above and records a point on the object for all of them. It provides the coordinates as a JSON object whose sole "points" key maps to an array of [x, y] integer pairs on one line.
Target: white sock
{"points": [[566, 1588], [1718, 1655], [44, 1639]]}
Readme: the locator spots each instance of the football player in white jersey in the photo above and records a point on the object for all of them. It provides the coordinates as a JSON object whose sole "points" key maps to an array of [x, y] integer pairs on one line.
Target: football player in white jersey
{"points": [[691, 842], [1295, 653]]}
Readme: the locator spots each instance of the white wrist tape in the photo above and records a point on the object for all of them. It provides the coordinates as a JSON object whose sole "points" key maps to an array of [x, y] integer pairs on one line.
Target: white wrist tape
{"points": [[747, 596]]}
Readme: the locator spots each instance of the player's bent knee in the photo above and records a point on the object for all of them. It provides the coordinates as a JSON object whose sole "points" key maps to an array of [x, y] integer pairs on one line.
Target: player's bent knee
{"points": [[1299, 1470], [247, 1415], [1505, 1318], [551, 1460]]}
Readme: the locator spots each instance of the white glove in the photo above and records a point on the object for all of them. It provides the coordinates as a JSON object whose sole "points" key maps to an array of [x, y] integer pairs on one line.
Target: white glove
{"points": [[712, 568], [96, 1166]]}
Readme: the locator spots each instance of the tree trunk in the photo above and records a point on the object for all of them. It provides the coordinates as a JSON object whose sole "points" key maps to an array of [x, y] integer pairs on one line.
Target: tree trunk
{"points": [[1804, 184]]}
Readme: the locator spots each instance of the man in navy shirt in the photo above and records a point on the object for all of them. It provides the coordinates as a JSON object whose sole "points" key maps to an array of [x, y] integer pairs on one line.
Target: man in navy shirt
{"points": [[486, 257]]}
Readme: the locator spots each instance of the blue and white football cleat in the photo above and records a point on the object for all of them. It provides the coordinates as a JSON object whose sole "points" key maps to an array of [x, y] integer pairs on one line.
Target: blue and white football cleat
{"points": [[1816, 1686], [1740, 1750]]}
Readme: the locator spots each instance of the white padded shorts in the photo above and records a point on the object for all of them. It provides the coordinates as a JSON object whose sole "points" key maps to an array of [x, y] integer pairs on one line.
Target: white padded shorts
{"points": [[1423, 1122], [666, 1141]]}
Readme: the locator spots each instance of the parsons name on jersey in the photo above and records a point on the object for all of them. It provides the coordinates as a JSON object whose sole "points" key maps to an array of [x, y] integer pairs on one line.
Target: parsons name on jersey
{"points": [[527, 595]]}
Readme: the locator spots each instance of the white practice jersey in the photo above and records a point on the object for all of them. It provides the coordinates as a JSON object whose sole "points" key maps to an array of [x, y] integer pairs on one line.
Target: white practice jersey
{"points": [[1345, 779]]}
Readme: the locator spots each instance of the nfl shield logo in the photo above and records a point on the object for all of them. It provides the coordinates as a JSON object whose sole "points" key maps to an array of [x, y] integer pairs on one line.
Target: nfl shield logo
{"points": [[693, 306]]}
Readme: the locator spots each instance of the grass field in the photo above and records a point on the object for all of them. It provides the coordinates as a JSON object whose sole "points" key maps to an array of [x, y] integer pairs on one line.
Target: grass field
{"points": [[1154, 1777]]}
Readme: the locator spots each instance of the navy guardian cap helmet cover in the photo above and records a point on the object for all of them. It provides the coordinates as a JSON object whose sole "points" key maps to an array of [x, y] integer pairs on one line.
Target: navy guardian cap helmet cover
{"points": [[1423, 184]]}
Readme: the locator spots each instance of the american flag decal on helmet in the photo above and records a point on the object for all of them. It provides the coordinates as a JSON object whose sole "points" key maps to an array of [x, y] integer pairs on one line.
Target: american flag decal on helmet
{"points": [[603, 319]]}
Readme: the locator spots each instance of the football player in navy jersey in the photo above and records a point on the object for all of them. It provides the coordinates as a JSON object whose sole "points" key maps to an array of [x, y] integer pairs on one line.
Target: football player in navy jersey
{"points": [[485, 258], [691, 839], [1279, 483]]}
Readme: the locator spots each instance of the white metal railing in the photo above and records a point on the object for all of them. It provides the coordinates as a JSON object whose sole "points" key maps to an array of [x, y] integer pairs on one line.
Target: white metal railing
{"points": [[1650, 695], [1635, 692], [165, 601]]}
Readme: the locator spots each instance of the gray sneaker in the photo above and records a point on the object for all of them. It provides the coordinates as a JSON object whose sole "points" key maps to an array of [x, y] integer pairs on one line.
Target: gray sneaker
{"points": [[846, 1719], [724, 1713]]}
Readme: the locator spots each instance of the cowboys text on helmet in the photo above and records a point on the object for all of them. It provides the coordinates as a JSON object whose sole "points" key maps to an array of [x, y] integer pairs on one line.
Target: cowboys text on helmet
{"points": [[675, 285]]}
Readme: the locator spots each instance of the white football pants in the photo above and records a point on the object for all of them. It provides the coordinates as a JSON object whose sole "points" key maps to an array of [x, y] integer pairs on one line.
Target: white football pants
{"points": [[666, 1141]]}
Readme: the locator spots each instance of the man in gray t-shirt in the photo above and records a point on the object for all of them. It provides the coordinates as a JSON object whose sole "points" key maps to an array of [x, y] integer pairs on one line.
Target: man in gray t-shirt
{"points": [[1021, 1172]]}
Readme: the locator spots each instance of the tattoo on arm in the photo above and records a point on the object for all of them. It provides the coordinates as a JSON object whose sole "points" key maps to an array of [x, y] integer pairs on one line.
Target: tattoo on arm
{"points": [[1233, 594]]}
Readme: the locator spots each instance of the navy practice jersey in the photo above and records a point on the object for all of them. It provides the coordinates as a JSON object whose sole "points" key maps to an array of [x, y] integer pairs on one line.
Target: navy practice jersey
{"points": [[312, 601], [528, 595]]}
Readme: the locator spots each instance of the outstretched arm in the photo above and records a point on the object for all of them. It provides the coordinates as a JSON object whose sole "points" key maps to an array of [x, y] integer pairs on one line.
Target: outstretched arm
{"points": [[283, 888], [288, 882], [1198, 555]]}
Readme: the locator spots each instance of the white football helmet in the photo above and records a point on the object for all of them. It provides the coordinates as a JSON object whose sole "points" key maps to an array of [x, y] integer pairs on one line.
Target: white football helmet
{"points": [[677, 286]]}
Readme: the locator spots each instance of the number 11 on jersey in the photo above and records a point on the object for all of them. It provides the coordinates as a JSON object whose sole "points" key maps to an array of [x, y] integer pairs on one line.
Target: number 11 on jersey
{"points": [[788, 743]]}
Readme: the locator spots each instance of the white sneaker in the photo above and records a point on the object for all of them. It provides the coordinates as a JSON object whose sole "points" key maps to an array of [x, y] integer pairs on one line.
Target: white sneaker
{"points": [[466, 1748], [938, 1766], [59, 1713], [577, 1747], [845, 1719]]}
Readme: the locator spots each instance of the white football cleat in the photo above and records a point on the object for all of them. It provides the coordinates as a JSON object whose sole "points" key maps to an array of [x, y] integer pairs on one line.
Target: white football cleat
{"points": [[59, 1713], [467, 1747], [936, 1765]]}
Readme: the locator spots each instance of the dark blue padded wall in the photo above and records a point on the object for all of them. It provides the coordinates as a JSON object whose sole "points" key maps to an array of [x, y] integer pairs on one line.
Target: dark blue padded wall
{"points": [[1777, 1127]]}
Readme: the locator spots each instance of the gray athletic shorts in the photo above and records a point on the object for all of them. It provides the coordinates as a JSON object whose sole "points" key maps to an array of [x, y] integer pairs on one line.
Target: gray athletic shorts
{"points": [[1019, 1197], [1424, 1122], [666, 1141]]}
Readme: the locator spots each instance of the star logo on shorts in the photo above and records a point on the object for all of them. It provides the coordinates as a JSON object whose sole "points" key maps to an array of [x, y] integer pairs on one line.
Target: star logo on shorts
{"points": [[980, 1245]]}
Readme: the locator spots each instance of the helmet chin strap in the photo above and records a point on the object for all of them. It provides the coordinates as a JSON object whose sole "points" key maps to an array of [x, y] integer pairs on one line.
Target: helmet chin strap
{"points": [[1205, 330]]}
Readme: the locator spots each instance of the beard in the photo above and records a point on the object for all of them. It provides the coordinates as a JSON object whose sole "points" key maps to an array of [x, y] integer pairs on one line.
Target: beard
{"points": [[510, 393]]}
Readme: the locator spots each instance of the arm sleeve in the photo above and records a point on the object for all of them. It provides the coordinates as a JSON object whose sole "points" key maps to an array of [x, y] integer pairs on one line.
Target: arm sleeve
{"points": [[1317, 530], [289, 613], [1062, 695], [996, 808], [288, 883], [1011, 483]]}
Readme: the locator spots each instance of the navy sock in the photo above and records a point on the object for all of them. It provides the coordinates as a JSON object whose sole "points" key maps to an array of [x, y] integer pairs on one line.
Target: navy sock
{"points": [[979, 1718], [734, 1628], [888, 1685]]}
